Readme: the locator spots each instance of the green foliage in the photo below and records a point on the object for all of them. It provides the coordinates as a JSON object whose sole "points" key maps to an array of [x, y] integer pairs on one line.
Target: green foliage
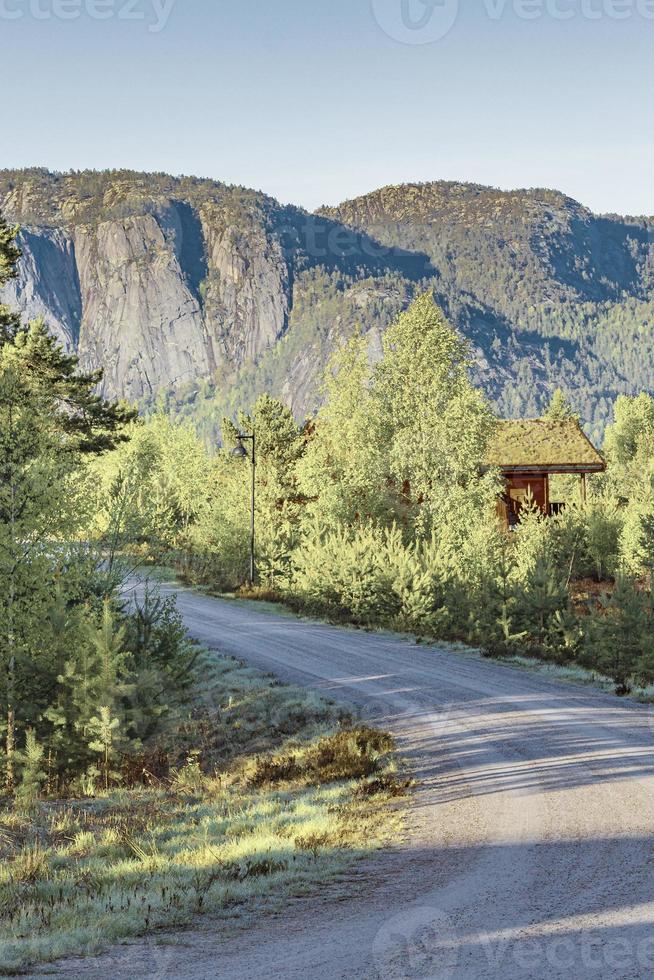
{"points": [[372, 575], [63, 652], [541, 602], [629, 447], [137, 665], [151, 490], [436, 424], [620, 636], [344, 573], [343, 470], [217, 547], [603, 526], [33, 776], [38, 504], [587, 537], [104, 732], [560, 408], [395, 442]]}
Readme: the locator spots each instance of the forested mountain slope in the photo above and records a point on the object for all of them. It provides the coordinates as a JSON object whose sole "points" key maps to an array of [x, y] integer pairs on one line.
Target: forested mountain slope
{"points": [[203, 295], [553, 292]]}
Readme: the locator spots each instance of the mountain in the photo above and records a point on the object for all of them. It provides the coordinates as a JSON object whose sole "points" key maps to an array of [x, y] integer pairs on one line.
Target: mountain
{"points": [[543, 287], [198, 295]]}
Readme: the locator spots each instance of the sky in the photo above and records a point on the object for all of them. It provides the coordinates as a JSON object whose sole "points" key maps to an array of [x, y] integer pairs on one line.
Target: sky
{"points": [[317, 101]]}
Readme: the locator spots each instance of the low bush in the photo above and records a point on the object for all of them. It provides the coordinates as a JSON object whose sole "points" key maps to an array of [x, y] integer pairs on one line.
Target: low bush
{"points": [[351, 753]]}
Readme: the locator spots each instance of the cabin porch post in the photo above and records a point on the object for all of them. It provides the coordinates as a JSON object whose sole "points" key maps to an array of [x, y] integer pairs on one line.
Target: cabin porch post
{"points": [[584, 489], [547, 494]]}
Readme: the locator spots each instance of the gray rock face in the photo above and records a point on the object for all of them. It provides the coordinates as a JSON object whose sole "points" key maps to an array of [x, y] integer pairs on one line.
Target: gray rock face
{"points": [[156, 299], [249, 292], [48, 285], [140, 320]]}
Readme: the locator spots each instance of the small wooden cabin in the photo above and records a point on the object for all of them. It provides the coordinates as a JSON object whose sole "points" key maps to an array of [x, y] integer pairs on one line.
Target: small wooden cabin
{"points": [[529, 451]]}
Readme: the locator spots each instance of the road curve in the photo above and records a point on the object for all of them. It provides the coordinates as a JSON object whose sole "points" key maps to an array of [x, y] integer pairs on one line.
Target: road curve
{"points": [[530, 851]]}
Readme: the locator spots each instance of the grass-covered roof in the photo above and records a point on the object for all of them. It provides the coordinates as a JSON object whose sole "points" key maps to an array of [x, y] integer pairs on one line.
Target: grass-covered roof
{"points": [[548, 443]]}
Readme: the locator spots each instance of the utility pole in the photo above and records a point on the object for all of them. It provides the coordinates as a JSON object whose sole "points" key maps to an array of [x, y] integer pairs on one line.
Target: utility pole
{"points": [[241, 452]]}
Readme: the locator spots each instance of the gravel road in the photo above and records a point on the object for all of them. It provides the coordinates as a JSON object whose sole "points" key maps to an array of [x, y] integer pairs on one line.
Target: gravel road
{"points": [[530, 851]]}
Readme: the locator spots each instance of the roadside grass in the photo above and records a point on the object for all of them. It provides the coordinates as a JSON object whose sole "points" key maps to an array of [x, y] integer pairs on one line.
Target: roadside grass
{"points": [[273, 791], [564, 673], [574, 674]]}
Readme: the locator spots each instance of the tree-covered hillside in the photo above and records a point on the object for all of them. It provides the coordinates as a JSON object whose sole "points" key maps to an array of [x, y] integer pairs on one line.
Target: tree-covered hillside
{"points": [[538, 282]]}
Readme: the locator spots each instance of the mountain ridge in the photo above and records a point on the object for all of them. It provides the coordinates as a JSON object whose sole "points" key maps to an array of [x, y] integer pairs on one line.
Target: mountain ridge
{"points": [[201, 295]]}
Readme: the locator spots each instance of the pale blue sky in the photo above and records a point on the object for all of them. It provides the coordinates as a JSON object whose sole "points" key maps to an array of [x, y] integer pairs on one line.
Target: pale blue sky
{"points": [[313, 101]]}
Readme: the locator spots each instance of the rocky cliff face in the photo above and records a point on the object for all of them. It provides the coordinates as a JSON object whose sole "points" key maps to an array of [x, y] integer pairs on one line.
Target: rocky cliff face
{"points": [[48, 285], [248, 293], [160, 297], [208, 295], [140, 319]]}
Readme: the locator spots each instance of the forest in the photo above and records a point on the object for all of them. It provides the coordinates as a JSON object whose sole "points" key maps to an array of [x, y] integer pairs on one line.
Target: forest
{"points": [[378, 512]]}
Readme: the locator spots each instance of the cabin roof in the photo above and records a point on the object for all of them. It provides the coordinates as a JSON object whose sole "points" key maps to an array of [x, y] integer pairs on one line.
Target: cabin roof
{"points": [[550, 445]]}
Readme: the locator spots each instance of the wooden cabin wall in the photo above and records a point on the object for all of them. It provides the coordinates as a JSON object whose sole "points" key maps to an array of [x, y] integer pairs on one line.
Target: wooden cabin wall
{"points": [[519, 484]]}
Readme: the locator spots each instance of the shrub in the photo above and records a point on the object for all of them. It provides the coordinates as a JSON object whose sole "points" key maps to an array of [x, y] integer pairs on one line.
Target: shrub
{"points": [[348, 754]]}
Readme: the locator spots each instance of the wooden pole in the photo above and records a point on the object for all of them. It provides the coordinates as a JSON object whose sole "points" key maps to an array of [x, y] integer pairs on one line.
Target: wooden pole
{"points": [[253, 573]]}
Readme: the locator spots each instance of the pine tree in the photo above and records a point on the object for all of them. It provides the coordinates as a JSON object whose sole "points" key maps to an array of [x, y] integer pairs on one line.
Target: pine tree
{"points": [[112, 671], [9, 256], [493, 619], [106, 739], [90, 423], [37, 506], [414, 582], [559, 408], [540, 597], [619, 635], [501, 639], [98, 671], [33, 777]]}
